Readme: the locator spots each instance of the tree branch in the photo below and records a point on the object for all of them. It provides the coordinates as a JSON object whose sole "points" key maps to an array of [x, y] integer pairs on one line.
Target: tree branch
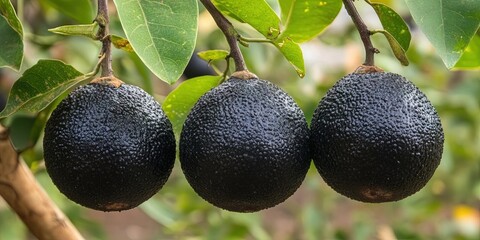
{"points": [[21, 191], [103, 35], [363, 31], [230, 34]]}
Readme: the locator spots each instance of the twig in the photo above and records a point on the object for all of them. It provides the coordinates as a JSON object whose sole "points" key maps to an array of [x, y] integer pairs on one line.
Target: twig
{"points": [[363, 31], [25, 196], [230, 34], [103, 35]]}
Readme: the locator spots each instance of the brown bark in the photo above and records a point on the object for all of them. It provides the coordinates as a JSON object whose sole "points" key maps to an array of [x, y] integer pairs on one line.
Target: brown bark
{"points": [[25, 196]]}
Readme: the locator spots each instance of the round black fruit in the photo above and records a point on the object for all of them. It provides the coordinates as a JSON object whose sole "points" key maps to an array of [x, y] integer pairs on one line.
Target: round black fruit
{"points": [[109, 148], [376, 137], [244, 146]]}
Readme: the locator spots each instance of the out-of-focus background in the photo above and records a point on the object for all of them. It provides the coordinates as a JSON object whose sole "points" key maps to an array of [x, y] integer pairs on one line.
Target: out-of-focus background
{"points": [[447, 208]]}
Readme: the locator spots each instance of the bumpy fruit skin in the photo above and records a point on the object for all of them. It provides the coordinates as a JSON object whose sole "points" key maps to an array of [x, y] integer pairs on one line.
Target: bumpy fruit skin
{"points": [[376, 137], [109, 148], [244, 146]]}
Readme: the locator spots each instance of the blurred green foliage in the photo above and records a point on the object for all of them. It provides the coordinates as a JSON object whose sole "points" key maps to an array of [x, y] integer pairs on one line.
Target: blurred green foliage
{"points": [[447, 208]]}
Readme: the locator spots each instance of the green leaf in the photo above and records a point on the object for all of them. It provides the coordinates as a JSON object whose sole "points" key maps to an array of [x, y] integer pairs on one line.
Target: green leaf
{"points": [[305, 19], [396, 47], [86, 30], [40, 85], [159, 212], [211, 55], [471, 56], [7, 10], [20, 131], [143, 72], [11, 39], [448, 24], [226, 12], [293, 53], [121, 43], [180, 101], [393, 24], [257, 13], [80, 10], [11, 54], [162, 33], [25, 137]]}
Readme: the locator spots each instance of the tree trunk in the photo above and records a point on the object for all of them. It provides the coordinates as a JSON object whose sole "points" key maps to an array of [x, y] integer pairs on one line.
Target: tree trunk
{"points": [[27, 198]]}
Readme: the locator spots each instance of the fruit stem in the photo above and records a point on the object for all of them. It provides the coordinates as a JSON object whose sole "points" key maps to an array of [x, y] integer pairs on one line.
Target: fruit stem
{"points": [[230, 34], [103, 35], [363, 31]]}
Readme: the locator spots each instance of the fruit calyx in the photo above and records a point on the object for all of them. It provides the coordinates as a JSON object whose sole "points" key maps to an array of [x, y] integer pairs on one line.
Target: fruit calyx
{"points": [[363, 69], [244, 75], [108, 81]]}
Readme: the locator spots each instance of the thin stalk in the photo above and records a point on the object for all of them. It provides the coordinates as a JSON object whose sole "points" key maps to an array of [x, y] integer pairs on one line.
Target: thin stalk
{"points": [[230, 34], [363, 31], [103, 35]]}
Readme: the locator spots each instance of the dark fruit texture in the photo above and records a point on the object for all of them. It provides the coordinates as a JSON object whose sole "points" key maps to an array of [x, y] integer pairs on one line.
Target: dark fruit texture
{"points": [[244, 146], [376, 137], [109, 148]]}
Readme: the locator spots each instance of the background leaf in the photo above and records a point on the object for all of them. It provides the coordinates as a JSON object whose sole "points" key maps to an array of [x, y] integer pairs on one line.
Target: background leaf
{"points": [[396, 47], [257, 13], [7, 10], [162, 33], [293, 53], [448, 24], [21, 131], [471, 56], [11, 54], [393, 24], [305, 19], [160, 212], [40, 85], [80, 10], [15, 229], [11, 39], [180, 101]]}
